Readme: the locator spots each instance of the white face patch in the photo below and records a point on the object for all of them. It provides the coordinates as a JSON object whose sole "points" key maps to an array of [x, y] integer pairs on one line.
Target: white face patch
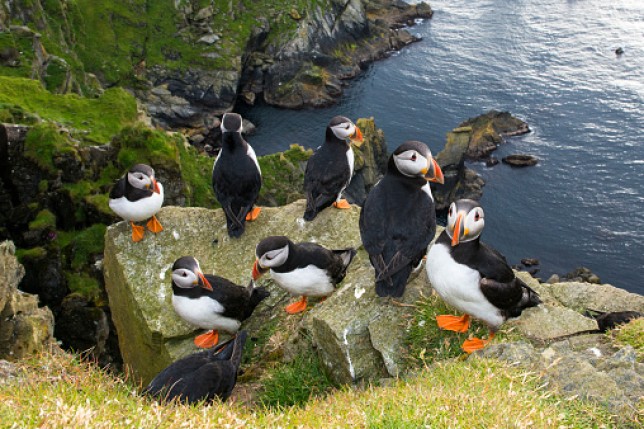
{"points": [[274, 258], [139, 180], [411, 163], [473, 222], [184, 278], [344, 130]]}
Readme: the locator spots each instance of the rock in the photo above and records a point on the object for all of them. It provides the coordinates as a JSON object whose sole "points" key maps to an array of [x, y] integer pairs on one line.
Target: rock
{"points": [[295, 14], [491, 161], [209, 39], [520, 160], [528, 262], [248, 128], [546, 322], [486, 132], [81, 326], [553, 279], [24, 327], [137, 276], [619, 51], [596, 297]]}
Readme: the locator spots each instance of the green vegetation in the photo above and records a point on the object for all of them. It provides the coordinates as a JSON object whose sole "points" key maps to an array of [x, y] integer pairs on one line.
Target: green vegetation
{"points": [[58, 390], [84, 285], [196, 170], [43, 142], [44, 220], [632, 334], [138, 144], [296, 382], [427, 343], [82, 245], [94, 120], [283, 175], [33, 254]]}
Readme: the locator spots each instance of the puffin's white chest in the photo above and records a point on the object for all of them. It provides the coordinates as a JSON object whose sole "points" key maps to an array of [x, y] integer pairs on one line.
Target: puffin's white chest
{"points": [[251, 153], [139, 210], [458, 285], [204, 312], [308, 281], [350, 161]]}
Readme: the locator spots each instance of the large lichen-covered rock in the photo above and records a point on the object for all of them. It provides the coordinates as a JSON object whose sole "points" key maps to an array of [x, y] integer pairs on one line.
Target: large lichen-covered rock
{"points": [[137, 275], [24, 327], [487, 131]]}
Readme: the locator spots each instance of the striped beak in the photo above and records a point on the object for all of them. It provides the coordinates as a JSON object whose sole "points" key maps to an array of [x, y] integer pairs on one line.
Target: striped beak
{"points": [[258, 270], [458, 229], [434, 173], [155, 186], [203, 281], [357, 136]]}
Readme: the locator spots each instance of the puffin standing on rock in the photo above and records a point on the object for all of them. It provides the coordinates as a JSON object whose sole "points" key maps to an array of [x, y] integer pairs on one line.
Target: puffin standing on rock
{"points": [[138, 196], [330, 168], [236, 176], [398, 219], [473, 277], [211, 302], [201, 376], [305, 269]]}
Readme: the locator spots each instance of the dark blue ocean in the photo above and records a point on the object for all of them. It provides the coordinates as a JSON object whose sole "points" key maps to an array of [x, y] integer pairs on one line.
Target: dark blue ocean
{"points": [[551, 63]]}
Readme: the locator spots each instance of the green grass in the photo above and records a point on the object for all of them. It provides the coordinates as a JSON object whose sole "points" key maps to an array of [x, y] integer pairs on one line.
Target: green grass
{"points": [[33, 254], [82, 245], [138, 144], [44, 219], [196, 171], [43, 142], [94, 120], [84, 285], [632, 334], [282, 176], [427, 343], [58, 390], [296, 382]]}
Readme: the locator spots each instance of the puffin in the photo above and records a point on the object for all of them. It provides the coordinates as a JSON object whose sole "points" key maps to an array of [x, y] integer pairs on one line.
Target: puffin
{"points": [[201, 376], [473, 277], [138, 196], [236, 176], [211, 302], [330, 168], [302, 269], [398, 220]]}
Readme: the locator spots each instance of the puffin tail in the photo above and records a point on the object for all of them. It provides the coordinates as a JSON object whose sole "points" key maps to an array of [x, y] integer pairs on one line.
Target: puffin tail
{"points": [[394, 286], [238, 347], [530, 298]]}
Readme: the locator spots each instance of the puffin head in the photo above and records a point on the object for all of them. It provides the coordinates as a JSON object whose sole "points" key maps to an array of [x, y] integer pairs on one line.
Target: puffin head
{"points": [[186, 273], [141, 176], [465, 221], [345, 130], [231, 123], [271, 252], [414, 159]]}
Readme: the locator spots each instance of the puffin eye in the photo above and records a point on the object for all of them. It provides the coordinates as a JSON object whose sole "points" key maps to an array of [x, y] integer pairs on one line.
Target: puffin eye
{"points": [[477, 216], [449, 213], [413, 157], [184, 274]]}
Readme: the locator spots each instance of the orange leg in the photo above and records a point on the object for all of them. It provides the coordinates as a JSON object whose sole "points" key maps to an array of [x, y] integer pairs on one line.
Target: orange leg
{"points": [[474, 344], [296, 307], [137, 232], [454, 323], [207, 340], [154, 225], [253, 214], [342, 204]]}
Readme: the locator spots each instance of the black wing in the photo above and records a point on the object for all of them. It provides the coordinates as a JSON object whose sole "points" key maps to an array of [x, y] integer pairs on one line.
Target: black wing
{"points": [[118, 190], [235, 299], [323, 179]]}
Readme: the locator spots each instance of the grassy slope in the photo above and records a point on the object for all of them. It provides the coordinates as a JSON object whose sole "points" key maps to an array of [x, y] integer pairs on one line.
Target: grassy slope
{"points": [[59, 391]]}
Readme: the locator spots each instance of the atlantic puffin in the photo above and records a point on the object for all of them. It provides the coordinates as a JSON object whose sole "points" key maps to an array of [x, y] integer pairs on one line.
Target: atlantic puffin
{"points": [[305, 269], [211, 302], [236, 176], [201, 376], [330, 168], [473, 277], [398, 220], [138, 196]]}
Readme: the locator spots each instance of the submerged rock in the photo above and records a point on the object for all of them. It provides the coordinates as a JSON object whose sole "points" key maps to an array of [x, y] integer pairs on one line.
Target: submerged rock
{"points": [[520, 160]]}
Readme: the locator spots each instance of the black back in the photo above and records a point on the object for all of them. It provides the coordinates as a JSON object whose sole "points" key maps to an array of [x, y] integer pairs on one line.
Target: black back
{"points": [[123, 188], [609, 320], [201, 376], [238, 302], [236, 181], [327, 172], [397, 223]]}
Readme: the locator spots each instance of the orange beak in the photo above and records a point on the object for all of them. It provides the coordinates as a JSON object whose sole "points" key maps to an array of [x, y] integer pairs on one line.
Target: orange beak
{"points": [[457, 229], [155, 186], [435, 174], [204, 281], [357, 136], [257, 270]]}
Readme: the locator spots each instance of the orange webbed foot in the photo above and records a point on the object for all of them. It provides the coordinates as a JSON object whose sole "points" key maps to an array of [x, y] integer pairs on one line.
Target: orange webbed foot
{"points": [[253, 214], [154, 225], [207, 340], [137, 232], [453, 323], [474, 344], [342, 204], [296, 307]]}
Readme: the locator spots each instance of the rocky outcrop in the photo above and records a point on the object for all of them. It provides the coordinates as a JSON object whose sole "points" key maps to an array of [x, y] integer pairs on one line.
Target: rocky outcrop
{"points": [[487, 131], [24, 327], [520, 160]]}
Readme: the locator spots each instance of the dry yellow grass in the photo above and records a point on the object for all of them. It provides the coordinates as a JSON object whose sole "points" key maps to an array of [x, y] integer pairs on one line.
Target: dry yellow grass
{"points": [[56, 390]]}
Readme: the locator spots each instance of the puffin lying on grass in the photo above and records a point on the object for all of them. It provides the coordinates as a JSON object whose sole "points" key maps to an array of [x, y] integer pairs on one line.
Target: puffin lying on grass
{"points": [[330, 168], [236, 176], [398, 220], [138, 196], [473, 277], [304, 269], [211, 302], [201, 376]]}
